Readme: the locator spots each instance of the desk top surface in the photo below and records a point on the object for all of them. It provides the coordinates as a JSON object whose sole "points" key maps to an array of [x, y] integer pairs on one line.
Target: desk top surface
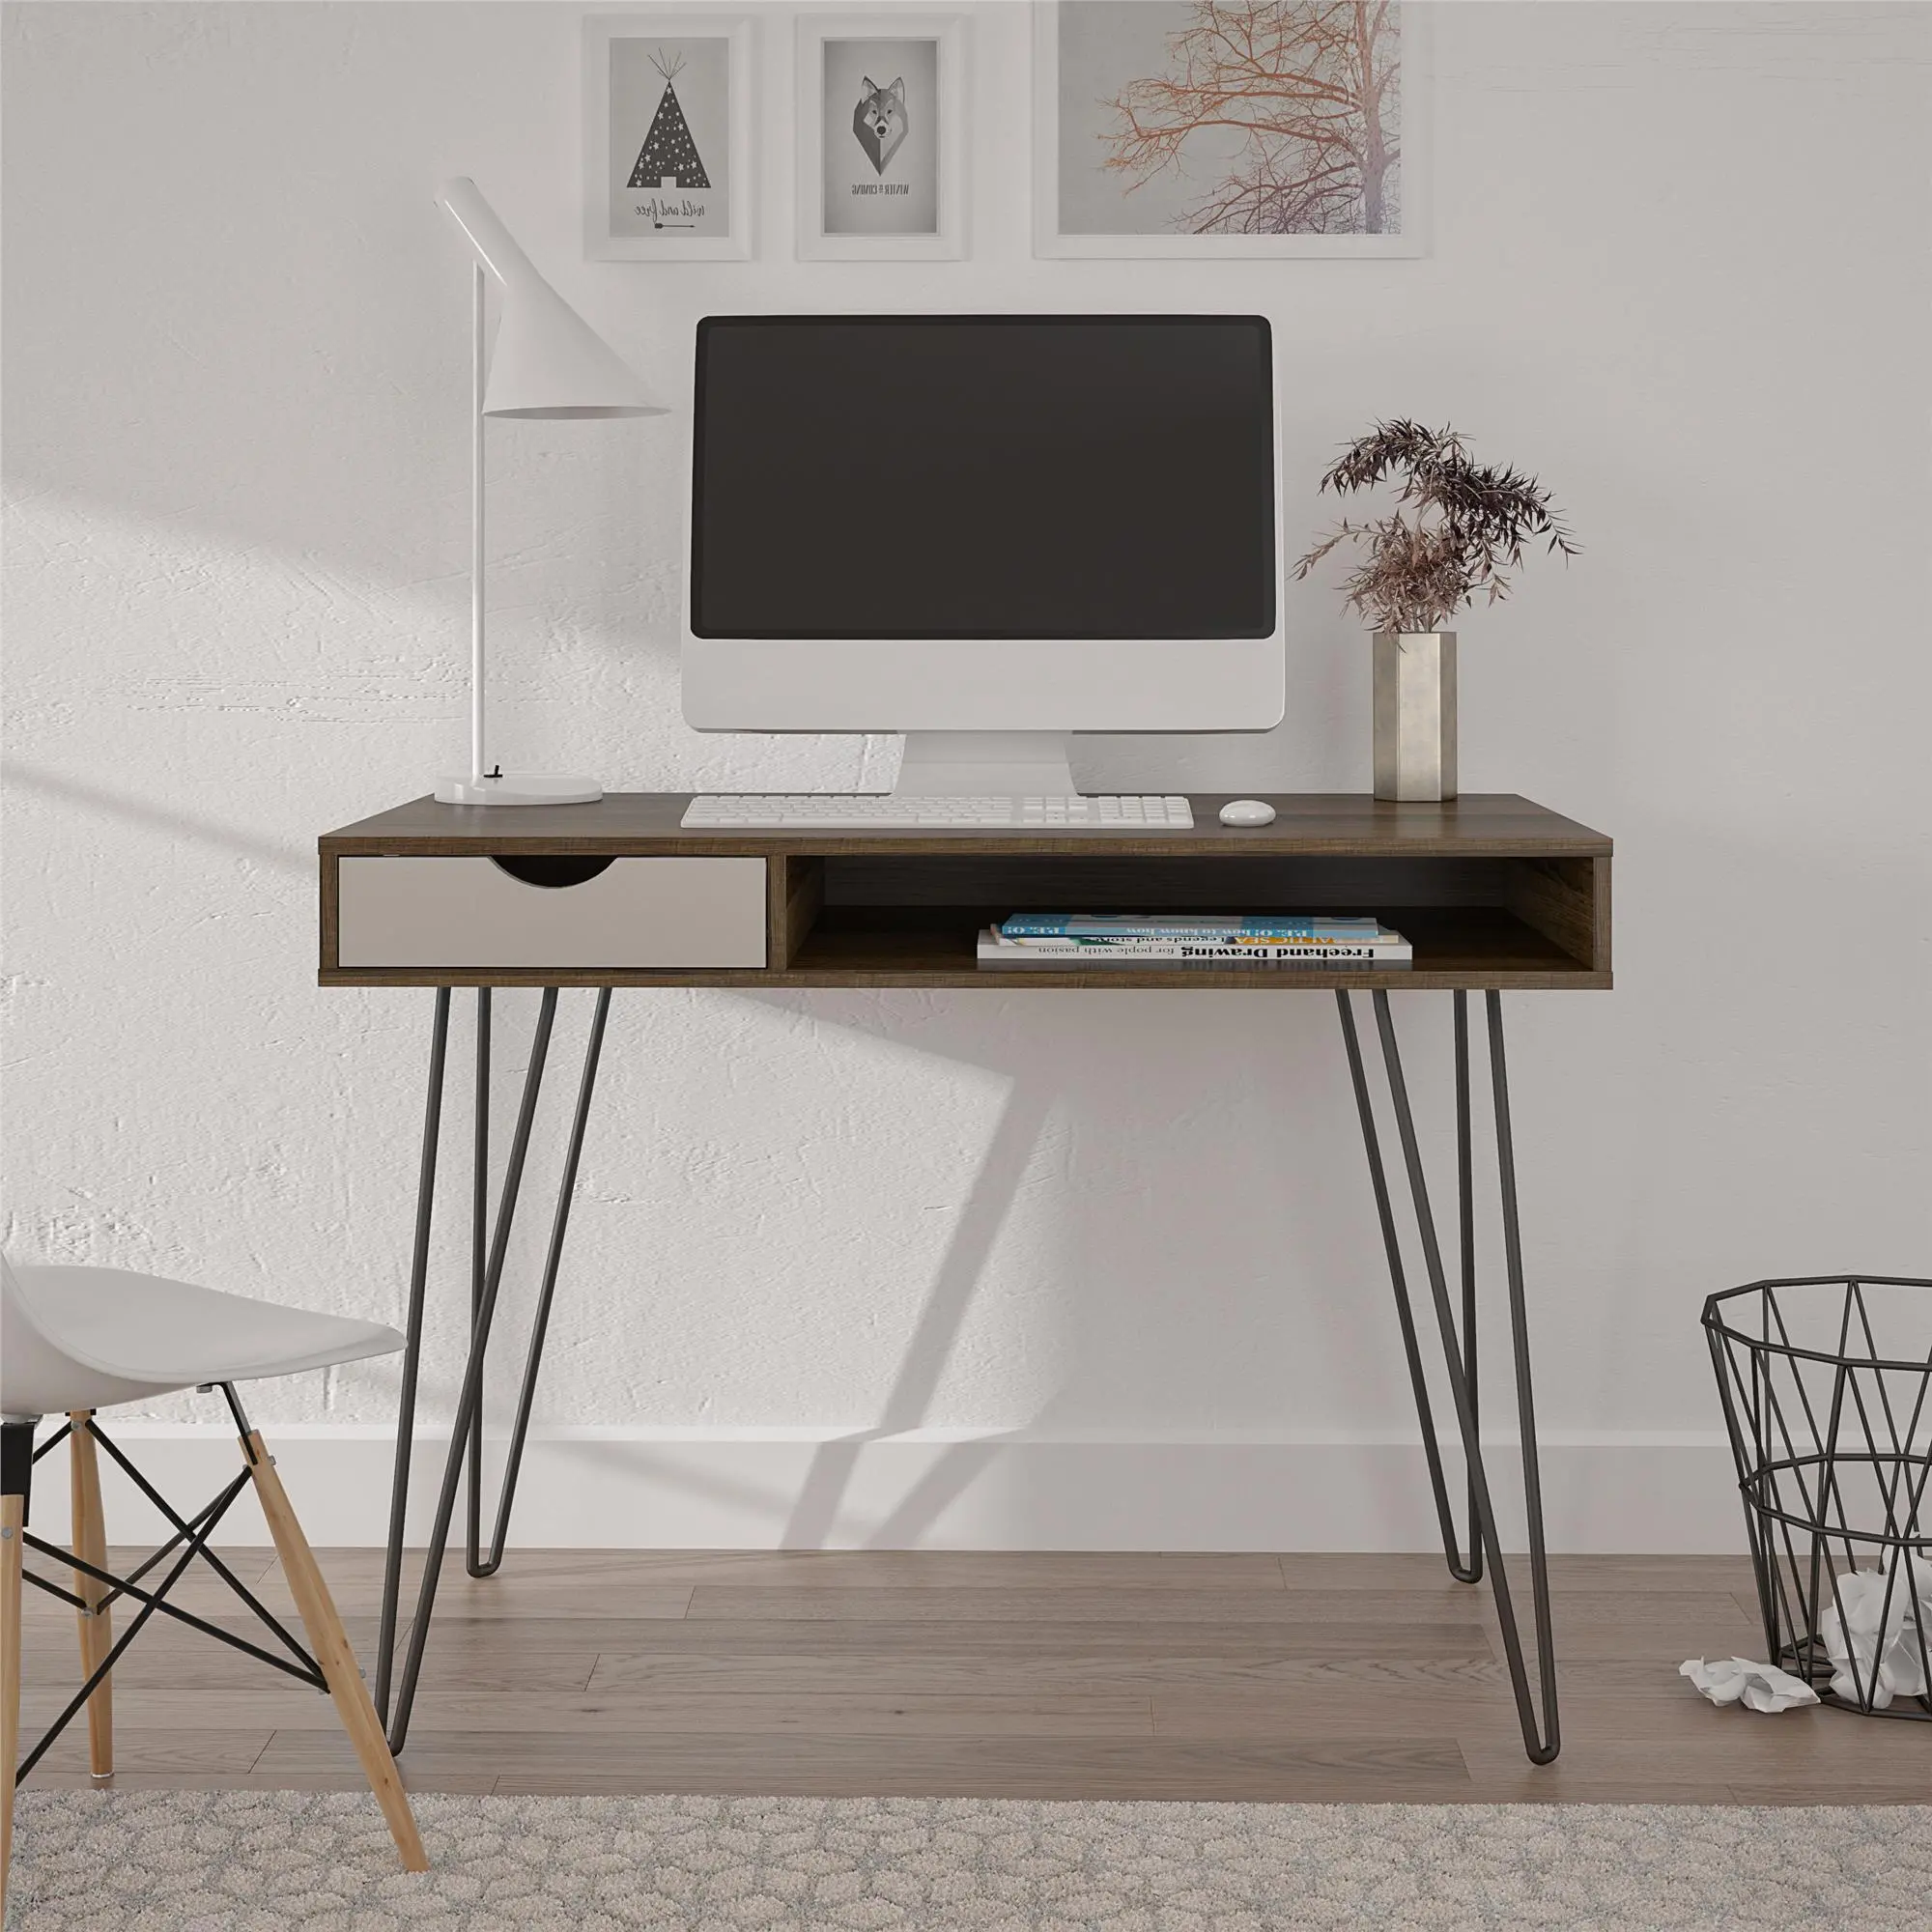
{"points": [[1306, 823]]}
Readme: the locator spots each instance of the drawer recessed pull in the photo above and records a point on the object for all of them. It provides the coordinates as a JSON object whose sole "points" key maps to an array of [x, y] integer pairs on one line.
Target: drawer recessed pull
{"points": [[551, 872]]}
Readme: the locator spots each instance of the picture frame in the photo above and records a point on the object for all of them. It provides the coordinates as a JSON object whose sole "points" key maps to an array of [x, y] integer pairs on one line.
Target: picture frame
{"points": [[1120, 173], [881, 163], [669, 158]]}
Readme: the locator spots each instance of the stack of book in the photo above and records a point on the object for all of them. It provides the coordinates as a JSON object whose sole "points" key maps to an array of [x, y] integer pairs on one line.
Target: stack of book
{"points": [[1087, 939]]}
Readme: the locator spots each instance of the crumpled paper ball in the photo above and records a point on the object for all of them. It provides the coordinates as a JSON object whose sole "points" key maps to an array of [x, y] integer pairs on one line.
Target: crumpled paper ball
{"points": [[1870, 1665], [1735, 1679]]}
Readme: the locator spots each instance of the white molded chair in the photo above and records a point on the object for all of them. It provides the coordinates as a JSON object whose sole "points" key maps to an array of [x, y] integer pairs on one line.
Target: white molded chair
{"points": [[73, 1340]]}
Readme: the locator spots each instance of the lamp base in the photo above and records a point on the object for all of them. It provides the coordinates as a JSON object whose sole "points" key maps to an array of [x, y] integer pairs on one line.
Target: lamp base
{"points": [[520, 788]]}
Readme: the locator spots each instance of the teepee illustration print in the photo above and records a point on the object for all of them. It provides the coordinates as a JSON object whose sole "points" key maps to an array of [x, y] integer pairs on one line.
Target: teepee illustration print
{"points": [[669, 158]]}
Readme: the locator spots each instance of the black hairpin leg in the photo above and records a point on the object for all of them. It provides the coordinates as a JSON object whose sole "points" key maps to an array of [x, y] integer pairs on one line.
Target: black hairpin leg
{"points": [[464, 1453], [566, 1191], [1541, 1744], [1471, 1571], [406, 1417]]}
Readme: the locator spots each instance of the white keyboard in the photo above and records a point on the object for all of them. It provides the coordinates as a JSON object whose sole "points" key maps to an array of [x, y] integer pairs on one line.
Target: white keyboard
{"points": [[834, 812]]}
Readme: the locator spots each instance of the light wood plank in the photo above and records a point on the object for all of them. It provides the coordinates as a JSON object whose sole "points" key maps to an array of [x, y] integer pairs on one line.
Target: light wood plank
{"points": [[985, 1637], [1600, 1726], [1338, 1769], [514, 1593], [1051, 1672], [1917, 1791], [1434, 1683], [1727, 1754], [1638, 1638], [228, 1752], [607, 1570], [1590, 1576], [455, 1776], [723, 1604], [749, 1713], [265, 1703], [1650, 1611], [167, 1653], [950, 1569]]}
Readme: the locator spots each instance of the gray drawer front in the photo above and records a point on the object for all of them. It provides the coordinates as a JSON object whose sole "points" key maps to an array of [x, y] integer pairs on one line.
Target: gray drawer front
{"points": [[472, 913]]}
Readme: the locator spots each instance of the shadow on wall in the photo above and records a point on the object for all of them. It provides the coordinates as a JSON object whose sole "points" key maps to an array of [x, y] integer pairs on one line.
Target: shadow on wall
{"points": [[1144, 1279], [176, 824], [1147, 1282], [1197, 1275], [815, 1514]]}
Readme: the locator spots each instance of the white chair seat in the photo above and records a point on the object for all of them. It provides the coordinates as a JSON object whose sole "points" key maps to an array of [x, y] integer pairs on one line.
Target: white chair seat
{"points": [[77, 1339], [91, 1337]]}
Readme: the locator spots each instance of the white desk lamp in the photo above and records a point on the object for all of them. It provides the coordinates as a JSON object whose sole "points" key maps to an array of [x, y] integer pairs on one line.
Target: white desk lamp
{"points": [[550, 365]]}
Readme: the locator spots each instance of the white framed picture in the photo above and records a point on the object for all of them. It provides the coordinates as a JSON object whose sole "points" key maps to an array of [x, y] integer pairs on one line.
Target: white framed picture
{"points": [[882, 137], [667, 137], [1230, 130]]}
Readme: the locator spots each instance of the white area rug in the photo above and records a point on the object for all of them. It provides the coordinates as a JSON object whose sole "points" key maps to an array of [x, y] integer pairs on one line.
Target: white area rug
{"points": [[296, 1861]]}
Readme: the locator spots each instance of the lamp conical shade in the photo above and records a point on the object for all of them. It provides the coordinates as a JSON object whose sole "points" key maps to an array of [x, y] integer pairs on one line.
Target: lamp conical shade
{"points": [[548, 361]]}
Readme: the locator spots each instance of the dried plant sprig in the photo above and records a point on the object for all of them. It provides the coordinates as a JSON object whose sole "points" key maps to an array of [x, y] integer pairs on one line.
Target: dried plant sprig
{"points": [[1463, 533]]}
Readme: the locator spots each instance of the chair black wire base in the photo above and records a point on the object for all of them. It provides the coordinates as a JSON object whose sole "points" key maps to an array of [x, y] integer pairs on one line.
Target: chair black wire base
{"points": [[191, 1536]]}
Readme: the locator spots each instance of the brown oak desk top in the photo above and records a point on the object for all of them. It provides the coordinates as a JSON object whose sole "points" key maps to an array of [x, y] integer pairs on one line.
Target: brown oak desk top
{"points": [[1492, 890], [1306, 823]]}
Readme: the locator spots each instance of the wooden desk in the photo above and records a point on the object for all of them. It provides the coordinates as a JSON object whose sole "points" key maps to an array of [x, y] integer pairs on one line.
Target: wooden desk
{"points": [[1492, 891], [1496, 893]]}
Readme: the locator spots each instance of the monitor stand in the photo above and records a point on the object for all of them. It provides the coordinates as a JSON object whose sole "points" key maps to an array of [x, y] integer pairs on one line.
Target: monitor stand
{"points": [[978, 764]]}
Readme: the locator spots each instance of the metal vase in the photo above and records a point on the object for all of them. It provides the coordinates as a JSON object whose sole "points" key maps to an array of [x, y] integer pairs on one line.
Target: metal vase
{"points": [[1415, 714]]}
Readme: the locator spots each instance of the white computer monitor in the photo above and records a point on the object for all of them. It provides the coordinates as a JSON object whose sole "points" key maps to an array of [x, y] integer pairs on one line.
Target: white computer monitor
{"points": [[1011, 526]]}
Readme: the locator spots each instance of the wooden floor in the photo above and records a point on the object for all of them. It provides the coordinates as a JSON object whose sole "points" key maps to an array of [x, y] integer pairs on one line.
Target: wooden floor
{"points": [[1293, 1678]]}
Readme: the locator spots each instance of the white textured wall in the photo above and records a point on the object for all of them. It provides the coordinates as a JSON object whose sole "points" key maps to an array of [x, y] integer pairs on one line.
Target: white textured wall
{"points": [[1679, 270]]}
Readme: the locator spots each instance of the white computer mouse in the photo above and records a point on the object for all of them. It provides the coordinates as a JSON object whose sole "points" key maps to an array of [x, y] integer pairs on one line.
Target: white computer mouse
{"points": [[1247, 811]]}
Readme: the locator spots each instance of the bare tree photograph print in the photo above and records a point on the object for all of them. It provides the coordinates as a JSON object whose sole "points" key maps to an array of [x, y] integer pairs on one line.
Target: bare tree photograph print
{"points": [[666, 137], [1227, 127]]}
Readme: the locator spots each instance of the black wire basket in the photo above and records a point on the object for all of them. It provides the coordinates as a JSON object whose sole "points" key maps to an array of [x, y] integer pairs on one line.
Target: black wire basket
{"points": [[1827, 1387]]}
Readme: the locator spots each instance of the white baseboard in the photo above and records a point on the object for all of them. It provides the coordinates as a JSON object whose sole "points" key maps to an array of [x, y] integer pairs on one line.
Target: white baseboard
{"points": [[637, 1489]]}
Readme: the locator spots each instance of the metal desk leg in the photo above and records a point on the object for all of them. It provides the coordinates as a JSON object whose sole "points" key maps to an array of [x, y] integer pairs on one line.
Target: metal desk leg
{"points": [[566, 1192], [406, 1416], [487, 1275], [1471, 1571], [1459, 1356]]}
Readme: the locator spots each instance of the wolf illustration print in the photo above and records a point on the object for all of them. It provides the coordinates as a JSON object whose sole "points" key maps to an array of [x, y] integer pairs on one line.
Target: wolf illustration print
{"points": [[880, 151], [879, 121]]}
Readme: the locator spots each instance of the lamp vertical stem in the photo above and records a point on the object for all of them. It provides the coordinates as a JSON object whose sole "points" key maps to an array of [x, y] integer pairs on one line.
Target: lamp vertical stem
{"points": [[478, 765]]}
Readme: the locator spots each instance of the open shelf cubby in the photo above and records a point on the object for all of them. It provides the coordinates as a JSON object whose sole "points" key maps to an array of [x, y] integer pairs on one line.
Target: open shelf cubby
{"points": [[1503, 921]]}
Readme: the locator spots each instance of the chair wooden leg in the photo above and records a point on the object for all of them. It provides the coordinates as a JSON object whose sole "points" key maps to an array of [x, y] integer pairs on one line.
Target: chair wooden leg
{"points": [[12, 1526], [96, 1624], [330, 1644]]}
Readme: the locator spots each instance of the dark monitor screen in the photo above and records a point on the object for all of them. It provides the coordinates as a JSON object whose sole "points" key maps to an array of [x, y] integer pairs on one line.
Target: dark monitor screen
{"points": [[983, 476]]}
